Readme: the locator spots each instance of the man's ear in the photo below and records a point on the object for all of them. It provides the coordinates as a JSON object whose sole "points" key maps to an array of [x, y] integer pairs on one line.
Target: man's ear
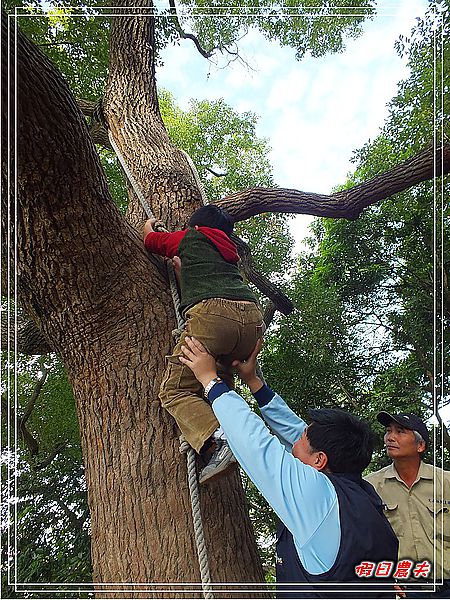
{"points": [[421, 447], [320, 460]]}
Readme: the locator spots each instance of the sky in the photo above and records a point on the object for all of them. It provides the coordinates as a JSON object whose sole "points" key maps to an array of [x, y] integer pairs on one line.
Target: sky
{"points": [[314, 112]]}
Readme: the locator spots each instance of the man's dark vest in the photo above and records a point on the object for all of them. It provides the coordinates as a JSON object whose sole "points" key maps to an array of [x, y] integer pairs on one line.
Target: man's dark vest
{"points": [[206, 274], [366, 535]]}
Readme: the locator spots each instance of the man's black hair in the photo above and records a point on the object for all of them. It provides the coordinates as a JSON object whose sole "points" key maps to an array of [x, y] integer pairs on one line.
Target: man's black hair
{"points": [[212, 216], [347, 440]]}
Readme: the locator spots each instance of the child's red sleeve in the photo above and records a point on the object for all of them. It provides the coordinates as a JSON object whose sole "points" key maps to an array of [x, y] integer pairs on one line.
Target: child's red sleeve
{"points": [[164, 243]]}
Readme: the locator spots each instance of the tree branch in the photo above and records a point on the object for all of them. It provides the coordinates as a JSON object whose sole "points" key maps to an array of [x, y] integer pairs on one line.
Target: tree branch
{"points": [[30, 442], [37, 390], [87, 107], [50, 457], [215, 173], [281, 302], [98, 131], [30, 339], [188, 36], [28, 438], [269, 313], [353, 401], [347, 203], [70, 514], [99, 135]]}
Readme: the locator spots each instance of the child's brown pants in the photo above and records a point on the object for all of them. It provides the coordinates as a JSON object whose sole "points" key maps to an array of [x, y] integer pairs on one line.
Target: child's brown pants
{"points": [[229, 330]]}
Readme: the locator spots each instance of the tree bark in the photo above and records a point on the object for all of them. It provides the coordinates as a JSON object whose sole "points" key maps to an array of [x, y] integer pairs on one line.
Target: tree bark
{"points": [[29, 338]]}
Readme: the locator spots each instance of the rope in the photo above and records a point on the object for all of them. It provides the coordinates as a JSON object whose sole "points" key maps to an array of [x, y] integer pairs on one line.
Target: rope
{"points": [[196, 176], [197, 519], [148, 212], [175, 299], [131, 179], [184, 447]]}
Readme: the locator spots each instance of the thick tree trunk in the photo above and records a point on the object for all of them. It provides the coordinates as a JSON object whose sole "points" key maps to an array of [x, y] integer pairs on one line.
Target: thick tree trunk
{"points": [[132, 114], [88, 283]]}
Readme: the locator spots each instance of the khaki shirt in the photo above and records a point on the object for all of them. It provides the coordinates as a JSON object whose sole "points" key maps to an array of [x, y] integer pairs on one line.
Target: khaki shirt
{"points": [[419, 514]]}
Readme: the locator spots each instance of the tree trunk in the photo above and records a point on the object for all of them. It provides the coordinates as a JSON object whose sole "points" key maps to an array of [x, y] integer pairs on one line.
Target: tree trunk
{"points": [[86, 280]]}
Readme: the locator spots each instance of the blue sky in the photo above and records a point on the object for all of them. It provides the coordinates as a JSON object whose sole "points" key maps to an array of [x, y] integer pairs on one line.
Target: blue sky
{"points": [[314, 112]]}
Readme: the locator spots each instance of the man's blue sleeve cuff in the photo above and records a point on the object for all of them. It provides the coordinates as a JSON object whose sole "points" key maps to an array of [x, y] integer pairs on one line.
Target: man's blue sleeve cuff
{"points": [[264, 395], [217, 390]]}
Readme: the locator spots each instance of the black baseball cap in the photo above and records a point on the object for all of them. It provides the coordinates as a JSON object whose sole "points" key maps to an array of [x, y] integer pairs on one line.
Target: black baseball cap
{"points": [[406, 420]]}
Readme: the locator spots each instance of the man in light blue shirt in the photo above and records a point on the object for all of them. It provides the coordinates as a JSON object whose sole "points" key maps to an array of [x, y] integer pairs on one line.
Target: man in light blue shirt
{"points": [[331, 520]]}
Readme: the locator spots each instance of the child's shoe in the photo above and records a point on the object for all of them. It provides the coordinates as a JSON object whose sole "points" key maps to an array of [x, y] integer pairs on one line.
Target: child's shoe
{"points": [[220, 462]]}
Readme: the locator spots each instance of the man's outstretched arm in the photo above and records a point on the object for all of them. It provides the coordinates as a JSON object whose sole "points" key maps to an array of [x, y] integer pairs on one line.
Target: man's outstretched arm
{"points": [[303, 498]]}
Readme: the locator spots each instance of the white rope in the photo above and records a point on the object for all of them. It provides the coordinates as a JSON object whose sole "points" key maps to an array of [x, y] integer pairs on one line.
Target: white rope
{"points": [[197, 519], [175, 298], [148, 212], [131, 179], [185, 447], [196, 177]]}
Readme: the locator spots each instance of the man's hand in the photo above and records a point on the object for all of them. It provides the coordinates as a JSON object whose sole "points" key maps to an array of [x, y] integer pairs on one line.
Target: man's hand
{"points": [[198, 359], [247, 369]]}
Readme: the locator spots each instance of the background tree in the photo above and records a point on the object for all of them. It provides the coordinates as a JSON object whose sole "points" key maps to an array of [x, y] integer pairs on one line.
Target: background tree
{"points": [[102, 303], [362, 335]]}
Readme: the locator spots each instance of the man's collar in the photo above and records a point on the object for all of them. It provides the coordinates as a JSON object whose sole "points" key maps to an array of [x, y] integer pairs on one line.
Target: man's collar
{"points": [[426, 471], [390, 472]]}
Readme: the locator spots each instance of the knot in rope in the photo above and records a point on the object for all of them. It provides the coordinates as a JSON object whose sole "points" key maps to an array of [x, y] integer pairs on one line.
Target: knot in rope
{"points": [[176, 333], [159, 226]]}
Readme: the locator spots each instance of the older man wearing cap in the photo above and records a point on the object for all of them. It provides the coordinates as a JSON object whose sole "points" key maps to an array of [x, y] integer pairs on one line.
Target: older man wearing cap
{"points": [[417, 501]]}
